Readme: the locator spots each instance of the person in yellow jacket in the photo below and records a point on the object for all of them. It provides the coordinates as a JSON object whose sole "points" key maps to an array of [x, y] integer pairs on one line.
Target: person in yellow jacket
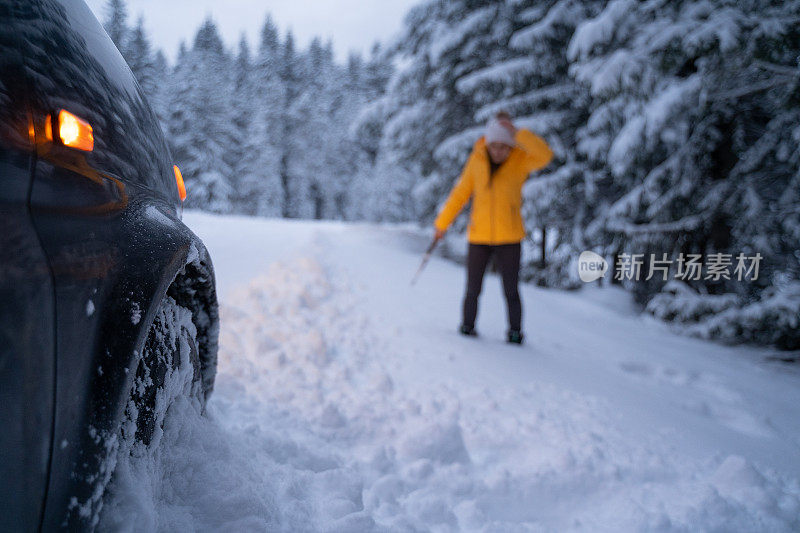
{"points": [[500, 163]]}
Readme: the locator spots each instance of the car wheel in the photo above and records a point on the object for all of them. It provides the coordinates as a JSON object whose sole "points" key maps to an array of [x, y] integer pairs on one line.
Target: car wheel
{"points": [[168, 370]]}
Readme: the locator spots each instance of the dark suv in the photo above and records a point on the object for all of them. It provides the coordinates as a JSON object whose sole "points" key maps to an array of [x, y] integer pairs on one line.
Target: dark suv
{"points": [[104, 292]]}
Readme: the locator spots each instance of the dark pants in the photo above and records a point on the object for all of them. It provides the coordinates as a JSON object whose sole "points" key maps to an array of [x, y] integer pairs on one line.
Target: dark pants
{"points": [[506, 258]]}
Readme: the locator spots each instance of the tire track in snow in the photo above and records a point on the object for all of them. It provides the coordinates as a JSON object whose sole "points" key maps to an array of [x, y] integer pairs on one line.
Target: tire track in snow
{"points": [[307, 431]]}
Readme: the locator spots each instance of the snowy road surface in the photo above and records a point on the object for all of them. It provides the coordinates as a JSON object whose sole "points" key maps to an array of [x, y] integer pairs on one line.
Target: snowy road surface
{"points": [[345, 401]]}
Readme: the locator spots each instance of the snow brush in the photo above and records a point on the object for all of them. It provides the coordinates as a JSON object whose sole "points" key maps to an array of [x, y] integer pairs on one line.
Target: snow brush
{"points": [[425, 260]]}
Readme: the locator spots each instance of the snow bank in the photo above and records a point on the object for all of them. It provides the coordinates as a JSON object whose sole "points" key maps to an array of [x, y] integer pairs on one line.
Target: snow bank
{"points": [[308, 430], [773, 319]]}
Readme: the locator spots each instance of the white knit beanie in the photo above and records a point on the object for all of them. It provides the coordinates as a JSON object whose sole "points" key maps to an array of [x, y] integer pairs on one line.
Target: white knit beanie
{"points": [[497, 133]]}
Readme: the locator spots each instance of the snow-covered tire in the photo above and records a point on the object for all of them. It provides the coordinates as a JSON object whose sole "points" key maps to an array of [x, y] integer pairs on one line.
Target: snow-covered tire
{"points": [[168, 371]]}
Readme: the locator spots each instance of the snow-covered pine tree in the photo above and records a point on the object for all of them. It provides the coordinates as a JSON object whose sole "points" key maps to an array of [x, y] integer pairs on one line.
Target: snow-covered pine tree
{"points": [[342, 158], [684, 119], [360, 160], [405, 119], [648, 132], [201, 121], [141, 60], [291, 146], [310, 177], [160, 99], [150, 69], [116, 25], [378, 69], [245, 179], [368, 81], [267, 126], [758, 90], [357, 135], [755, 91], [430, 125]]}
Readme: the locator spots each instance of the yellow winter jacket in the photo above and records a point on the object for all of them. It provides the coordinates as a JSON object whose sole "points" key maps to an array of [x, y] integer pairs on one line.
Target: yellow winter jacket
{"points": [[495, 217]]}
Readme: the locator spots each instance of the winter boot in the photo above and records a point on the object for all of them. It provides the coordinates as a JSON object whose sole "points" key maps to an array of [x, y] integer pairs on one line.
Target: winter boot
{"points": [[515, 336], [468, 331]]}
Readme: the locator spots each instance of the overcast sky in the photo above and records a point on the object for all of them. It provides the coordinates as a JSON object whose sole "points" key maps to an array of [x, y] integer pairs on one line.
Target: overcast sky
{"points": [[351, 24]]}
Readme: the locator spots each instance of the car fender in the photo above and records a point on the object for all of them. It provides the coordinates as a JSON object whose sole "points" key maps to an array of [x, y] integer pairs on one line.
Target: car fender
{"points": [[157, 255]]}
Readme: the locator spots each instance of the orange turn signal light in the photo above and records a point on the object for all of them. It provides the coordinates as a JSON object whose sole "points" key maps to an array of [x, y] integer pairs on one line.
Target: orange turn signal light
{"points": [[75, 132], [179, 180], [48, 128]]}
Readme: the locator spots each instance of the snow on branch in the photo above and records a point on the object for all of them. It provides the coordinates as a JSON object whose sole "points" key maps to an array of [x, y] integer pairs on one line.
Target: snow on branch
{"points": [[541, 122], [629, 138], [627, 203], [651, 121], [448, 37], [755, 154], [457, 145], [599, 30], [605, 75], [688, 223], [670, 101], [565, 13], [739, 92], [532, 14], [723, 26], [523, 102], [555, 180], [369, 112], [502, 73], [777, 69]]}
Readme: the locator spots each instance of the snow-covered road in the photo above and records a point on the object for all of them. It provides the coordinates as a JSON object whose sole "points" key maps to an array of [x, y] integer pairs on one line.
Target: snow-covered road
{"points": [[345, 401]]}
